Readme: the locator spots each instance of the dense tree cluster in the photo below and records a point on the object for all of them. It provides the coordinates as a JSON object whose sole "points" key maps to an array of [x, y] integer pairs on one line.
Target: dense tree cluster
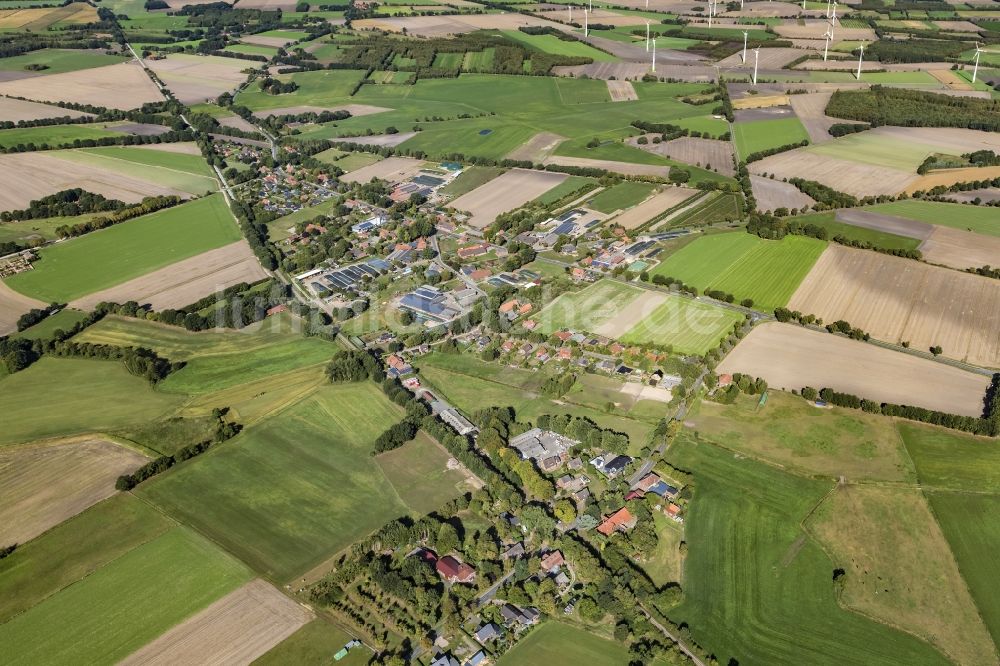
{"points": [[889, 50], [761, 154], [353, 366], [825, 196], [915, 108], [65, 203]]}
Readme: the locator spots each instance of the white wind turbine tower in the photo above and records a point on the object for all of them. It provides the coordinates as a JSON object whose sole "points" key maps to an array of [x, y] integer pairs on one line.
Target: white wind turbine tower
{"points": [[826, 47], [647, 36], [654, 55], [591, 5], [570, 8], [828, 8], [975, 68], [861, 54], [745, 46], [833, 14], [586, 24], [756, 58]]}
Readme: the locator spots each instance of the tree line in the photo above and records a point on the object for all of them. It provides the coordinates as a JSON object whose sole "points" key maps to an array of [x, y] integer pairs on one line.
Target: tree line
{"points": [[914, 108], [145, 207]]}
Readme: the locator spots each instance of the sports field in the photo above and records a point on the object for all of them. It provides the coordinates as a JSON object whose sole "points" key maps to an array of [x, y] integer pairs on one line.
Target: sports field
{"points": [[66, 396], [757, 589], [745, 265], [124, 251], [125, 604], [557, 644], [321, 480], [979, 219], [757, 135]]}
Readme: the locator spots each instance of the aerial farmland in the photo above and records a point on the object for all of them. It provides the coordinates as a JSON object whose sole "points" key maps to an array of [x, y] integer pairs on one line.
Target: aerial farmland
{"points": [[458, 332]]}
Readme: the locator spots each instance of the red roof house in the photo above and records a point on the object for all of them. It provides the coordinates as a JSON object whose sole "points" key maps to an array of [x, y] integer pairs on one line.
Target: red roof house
{"points": [[454, 571]]}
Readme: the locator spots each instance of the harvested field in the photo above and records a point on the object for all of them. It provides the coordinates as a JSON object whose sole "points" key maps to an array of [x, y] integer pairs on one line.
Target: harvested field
{"points": [[507, 192], [770, 58], [842, 175], [237, 122], [269, 5], [626, 168], [141, 129], [46, 484], [260, 40], [948, 177], [390, 140], [392, 169], [899, 300], [353, 109], [123, 86], [30, 176], [889, 224], [706, 153], [622, 91], [537, 148], [182, 148], [186, 281], [16, 110], [958, 26], [12, 306], [636, 70], [774, 194], [41, 18], [950, 79], [773, 112], [236, 629], [961, 249], [654, 206], [193, 79], [599, 16], [950, 140], [987, 194], [760, 102], [813, 27], [790, 357], [811, 110]]}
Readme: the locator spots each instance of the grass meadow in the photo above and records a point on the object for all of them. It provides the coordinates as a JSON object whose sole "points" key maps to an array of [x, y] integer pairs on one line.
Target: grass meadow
{"points": [[948, 460], [745, 265], [418, 471], [565, 188], [65, 319], [621, 196], [588, 308], [54, 135], [884, 239], [313, 644], [125, 604], [757, 135], [979, 219], [59, 60], [105, 258], [556, 46], [757, 589], [690, 327], [187, 173], [557, 644], [66, 396], [290, 492], [319, 88]]}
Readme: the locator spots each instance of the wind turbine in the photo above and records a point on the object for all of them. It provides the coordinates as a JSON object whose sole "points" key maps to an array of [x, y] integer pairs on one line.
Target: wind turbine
{"points": [[745, 46], [828, 8], [586, 29], [975, 68], [570, 8], [647, 36], [756, 58], [861, 54], [591, 5], [829, 36], [654, 55], [833, 15]]}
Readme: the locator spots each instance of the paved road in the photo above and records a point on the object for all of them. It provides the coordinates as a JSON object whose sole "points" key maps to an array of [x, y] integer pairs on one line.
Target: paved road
{"points": [[488, 594]]}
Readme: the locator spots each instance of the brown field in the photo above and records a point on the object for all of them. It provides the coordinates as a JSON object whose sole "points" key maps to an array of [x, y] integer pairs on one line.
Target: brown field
{"points": [[597, 16], [958, 26], [186, 281], [950, 79], [774, 194], [887, 223], [123, 86], [506, 192], [625, 168], [194, 79], [353, 109], [177, 4], [655, 205], [37, 19], [767, 112], [951, 176], [622, 91], [961, 249], [901, 569], [182, 147], [636, 70], [16, 110], [814, 28], [392, 169], [269, 5], [236, 629], [986, 194], [45, 484], [761, 102], [772, 9], [537, 147], [707, 153], [261, 40], [30, 176], [899, 300], [842, 175], [237, 122], [790, 357], [770, 58], [811, 110], [12, 306]]}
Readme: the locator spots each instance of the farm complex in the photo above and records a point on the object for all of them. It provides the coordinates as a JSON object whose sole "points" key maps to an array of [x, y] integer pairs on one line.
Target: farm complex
{"points": [[466, 333]]}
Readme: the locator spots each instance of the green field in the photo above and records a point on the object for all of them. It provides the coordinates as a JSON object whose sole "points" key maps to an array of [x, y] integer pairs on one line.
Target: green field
{"points": [[746, 266], [557, 644], [556, 46], [883, 151], [59, 60], [884, 239], [757, 135], [690, 327], [320, 88], [65, 319], [41, 229], [252, 49], [979, 219], [188, 173], [295, 489], [791, 432], [55, 135], [419, 473], [314, 644], [969, 522], [565, 188], [757, 589], [125, 604], [621, 196], [954, 461], [128, 250], [588, 308], [66, 396]]}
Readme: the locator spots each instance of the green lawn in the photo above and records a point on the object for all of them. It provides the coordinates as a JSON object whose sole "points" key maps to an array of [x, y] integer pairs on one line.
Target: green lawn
{"points": [[314, 644], [471, 178], [565, 188], [59, 60], [188, 173], [757, 135], [290, 492], [552, 44], [969, 522], [828, 221], [949, 460], [690, 327], [42, 229], [588, 308], [125, 604], [757, 589], [979, 219], [418, 471], [557, 644], [128, 250], [621, 196], [65, 319], [745, 265], [55, 135], [65, 396]]}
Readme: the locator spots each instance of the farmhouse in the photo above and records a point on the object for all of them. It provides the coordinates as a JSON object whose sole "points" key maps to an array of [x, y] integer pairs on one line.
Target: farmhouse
{"points": [[621, 520], [547, 449], [552, 561], [461, 425], [454, 571]]}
